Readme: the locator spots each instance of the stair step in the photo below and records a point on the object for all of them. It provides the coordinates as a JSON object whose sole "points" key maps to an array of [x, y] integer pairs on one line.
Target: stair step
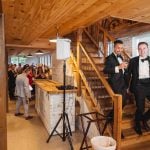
{"points": [[107, 108], [98, 87], [128, 121], [130, 109], [87, 63], [104, 97], [93, 78], [132, 138]]}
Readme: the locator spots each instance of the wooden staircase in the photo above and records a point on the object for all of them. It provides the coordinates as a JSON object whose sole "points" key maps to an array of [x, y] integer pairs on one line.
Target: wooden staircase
{"points": [[101, 97]]}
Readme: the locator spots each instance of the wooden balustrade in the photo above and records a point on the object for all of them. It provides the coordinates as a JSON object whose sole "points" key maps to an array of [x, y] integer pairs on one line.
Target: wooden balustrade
{"points": [[117, 99]]}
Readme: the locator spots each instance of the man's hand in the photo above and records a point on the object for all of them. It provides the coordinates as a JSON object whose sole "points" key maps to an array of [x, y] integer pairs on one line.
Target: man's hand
{"points": [[123, 65]]}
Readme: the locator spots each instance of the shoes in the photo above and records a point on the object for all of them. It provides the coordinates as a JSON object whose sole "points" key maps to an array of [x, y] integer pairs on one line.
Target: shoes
{"points": [[122, 136], [19, 114], [29, 117], [146, 126], [138, 130]]}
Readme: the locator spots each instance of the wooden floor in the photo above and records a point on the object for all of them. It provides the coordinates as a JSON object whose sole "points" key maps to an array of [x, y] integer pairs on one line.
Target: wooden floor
{"points": [[31, 134]]}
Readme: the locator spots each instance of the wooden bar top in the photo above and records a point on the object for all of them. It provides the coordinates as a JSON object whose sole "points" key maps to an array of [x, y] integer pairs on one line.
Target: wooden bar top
{"points": [[50, 86]]}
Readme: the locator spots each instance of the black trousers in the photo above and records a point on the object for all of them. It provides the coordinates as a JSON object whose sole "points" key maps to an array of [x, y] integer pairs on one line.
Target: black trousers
{"points": [[142, 91], [122, 92]]}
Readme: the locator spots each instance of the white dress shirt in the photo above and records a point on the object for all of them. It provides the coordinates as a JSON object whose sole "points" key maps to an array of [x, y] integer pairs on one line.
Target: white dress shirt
{"points": [[120, 61], [143, 69]]}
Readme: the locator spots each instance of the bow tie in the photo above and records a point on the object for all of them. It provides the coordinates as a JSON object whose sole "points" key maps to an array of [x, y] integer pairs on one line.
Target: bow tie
{"points": [[145, 59], [119, 56]]}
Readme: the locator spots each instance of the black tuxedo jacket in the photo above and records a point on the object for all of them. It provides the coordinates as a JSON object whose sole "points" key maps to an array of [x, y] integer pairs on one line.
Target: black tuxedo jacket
{"points": [[133, 73], [116, 80]]}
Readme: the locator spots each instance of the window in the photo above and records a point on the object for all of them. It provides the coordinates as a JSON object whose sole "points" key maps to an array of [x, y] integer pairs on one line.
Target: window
{"points": [[18, 59]]}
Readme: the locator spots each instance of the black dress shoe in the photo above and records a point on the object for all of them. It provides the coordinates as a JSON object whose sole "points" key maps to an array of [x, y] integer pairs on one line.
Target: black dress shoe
{"points": [[122, 136], [29, 117], [18, 114], [146, 126], [138, 130]]}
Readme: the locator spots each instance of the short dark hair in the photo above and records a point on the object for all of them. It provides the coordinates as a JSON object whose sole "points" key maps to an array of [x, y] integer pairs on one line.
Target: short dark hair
{"points": [[117, 42], [25, 67], [141, 43]]}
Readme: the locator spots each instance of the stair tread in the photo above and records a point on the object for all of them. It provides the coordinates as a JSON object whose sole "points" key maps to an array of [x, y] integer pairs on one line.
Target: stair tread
{"points": [[97, 87], [130, 133], [104, 96]]}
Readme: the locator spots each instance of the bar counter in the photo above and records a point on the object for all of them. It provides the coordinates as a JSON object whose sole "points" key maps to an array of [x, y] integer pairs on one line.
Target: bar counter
{"points": [[49, 104]]}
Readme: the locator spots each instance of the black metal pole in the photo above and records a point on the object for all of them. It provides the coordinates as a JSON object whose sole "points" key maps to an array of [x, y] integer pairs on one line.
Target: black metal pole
{"points": [[64, 101]]}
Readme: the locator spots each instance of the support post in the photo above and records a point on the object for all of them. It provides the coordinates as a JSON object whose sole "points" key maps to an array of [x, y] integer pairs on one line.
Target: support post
{"points": [[79, 39], [3, 91], [117, 120]]}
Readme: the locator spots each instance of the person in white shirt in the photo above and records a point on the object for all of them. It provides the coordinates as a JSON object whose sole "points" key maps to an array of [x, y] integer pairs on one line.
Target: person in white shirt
{"points": [[139, 81], [23, 92]]}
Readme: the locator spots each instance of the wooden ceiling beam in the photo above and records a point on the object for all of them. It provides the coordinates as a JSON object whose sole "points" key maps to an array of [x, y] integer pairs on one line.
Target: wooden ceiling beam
{"points": [[37, 44], [28, 46]]}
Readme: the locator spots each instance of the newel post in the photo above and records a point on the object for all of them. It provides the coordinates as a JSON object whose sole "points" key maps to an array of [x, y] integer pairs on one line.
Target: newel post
{"points": [[117, 120]]}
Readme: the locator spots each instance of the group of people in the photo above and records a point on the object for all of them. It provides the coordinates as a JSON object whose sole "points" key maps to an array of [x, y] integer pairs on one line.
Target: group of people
{"points": [[20, 83], [131, 77]]}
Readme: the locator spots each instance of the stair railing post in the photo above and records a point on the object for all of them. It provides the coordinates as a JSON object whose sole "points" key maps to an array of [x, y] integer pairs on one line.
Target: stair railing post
{"points": [[117, 119], [79, 39]]}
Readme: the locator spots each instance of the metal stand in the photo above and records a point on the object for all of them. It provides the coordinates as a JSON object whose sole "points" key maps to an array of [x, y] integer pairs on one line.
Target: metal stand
{"points": [[98, 118], [64, 117]]}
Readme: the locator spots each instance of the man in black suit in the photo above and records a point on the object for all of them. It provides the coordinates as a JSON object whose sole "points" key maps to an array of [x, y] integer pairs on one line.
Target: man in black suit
{"points": [[115, 67], [139, 79]]}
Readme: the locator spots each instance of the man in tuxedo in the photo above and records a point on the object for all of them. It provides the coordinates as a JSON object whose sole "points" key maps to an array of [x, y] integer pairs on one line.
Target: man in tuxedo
{"points": [[116, 69], [139, 80]]}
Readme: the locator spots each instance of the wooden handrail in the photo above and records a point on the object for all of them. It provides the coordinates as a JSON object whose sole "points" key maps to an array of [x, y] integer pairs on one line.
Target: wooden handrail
{"points": [[84, 79], [105, 83]]}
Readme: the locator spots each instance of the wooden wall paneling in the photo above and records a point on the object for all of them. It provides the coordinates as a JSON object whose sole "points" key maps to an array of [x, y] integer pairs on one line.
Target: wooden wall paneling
{"points": [[3, 93]]}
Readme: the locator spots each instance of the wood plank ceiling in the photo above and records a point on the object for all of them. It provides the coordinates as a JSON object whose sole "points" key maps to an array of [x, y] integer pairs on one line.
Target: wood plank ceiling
{"points": [[28, 20]]}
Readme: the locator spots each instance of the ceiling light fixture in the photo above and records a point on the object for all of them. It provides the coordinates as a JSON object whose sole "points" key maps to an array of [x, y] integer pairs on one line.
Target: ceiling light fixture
{"points": [[29, 55], [39, 52]]}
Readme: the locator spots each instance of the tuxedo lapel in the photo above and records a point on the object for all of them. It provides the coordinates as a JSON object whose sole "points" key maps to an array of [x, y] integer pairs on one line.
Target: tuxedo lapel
{"points": [[137, 66], [115, 58]]}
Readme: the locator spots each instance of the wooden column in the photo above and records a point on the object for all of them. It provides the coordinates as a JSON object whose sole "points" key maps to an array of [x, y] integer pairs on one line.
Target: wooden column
{"points": [[117, 120], [79, 39], [3, 83]]}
